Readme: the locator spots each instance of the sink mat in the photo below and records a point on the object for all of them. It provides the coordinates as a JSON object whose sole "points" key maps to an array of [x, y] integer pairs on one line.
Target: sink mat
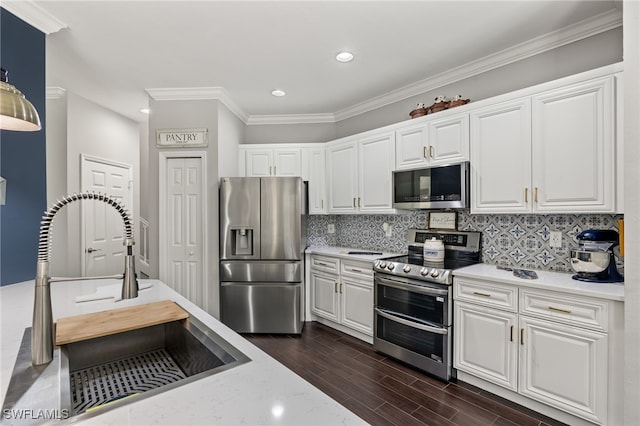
{"points": [[96, 386]]}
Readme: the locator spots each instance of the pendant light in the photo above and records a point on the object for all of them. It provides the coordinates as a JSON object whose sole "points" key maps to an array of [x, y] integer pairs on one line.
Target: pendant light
{"points": [[16, 112]]}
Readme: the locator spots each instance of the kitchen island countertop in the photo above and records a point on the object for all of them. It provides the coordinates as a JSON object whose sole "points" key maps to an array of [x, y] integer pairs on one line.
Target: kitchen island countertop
{"points": [[547, 280], [259, 392]]}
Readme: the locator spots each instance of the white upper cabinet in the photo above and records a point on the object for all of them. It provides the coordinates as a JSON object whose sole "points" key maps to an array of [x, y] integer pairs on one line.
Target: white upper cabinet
{"points": [[261, 161], [553, 152], [501, 158], [440, 140], [316, 177], [574, 148], [359, 174], [375, 167]]}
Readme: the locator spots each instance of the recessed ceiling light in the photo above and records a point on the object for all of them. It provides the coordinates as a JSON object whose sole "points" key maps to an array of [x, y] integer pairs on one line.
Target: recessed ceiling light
{"points": [[145, 110], [344, 57], [278, 92]]}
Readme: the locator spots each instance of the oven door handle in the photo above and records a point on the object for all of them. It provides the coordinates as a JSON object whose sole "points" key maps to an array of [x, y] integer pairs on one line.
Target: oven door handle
{"points": [[408, 323], [402, 285]]}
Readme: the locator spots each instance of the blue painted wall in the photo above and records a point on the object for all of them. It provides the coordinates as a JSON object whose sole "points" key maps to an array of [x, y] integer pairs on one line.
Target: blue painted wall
{"points": [[22, 154]]}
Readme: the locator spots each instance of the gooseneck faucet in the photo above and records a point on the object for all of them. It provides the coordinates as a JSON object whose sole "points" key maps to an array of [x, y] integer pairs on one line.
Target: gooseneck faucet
{"points": [[42, 327]]}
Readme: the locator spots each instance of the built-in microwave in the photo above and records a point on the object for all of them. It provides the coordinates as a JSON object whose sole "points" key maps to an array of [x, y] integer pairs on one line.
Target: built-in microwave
{"points": [[437, 187]]}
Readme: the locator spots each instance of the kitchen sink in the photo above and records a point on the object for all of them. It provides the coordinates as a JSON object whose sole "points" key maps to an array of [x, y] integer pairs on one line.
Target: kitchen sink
{"points": [[105, 372]]}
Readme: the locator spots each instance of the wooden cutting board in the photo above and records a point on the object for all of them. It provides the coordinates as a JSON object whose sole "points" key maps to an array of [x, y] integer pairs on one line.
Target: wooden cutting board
{"points": [[97, 324]]}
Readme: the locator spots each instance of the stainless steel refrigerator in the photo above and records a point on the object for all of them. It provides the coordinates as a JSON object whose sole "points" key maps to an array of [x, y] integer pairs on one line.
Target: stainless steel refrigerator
{"points": [[262, 243]]}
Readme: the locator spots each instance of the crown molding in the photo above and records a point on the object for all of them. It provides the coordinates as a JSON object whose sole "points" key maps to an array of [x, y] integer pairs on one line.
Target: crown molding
{"points": [[572, 33], [34, 15], [56, 92], [291, 119], [198, 94]]}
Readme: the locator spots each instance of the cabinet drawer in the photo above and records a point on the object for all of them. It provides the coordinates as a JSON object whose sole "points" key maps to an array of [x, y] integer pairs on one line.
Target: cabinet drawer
{"points": [[575, 310], [357, 269], [487, 294], [327, 264]]}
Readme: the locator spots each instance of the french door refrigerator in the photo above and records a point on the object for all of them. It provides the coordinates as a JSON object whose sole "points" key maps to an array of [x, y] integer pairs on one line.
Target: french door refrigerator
{"points": [[262, 243]]}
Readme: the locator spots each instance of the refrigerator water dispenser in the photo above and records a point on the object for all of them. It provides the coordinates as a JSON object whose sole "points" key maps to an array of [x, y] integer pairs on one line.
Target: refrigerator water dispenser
{"points": [[242, 240]]}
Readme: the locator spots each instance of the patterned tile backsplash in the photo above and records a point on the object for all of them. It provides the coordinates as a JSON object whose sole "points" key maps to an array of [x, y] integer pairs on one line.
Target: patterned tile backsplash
{"points": [[515, 240]]}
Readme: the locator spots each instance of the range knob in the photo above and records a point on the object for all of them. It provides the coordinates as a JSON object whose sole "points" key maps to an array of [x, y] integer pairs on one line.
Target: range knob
{"points": [[390, 266], [424, 272], [435, 273], [382, 264], [406, 269]]}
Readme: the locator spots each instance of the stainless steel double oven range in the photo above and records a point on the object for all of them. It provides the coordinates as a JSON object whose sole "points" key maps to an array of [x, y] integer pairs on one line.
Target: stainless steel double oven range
{"points": [[413, 316]]}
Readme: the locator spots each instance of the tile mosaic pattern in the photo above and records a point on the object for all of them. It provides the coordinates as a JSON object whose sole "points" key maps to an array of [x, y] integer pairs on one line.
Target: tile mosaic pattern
{"points": [[515, 240]]}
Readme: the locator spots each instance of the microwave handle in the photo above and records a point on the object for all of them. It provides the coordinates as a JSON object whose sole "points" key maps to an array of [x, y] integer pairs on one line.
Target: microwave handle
{"points": [[412, 324]]}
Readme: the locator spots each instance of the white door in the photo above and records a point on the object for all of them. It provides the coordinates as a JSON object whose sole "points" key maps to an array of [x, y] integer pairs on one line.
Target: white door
{"points": [[501, 158], [574, 148], [412, 147], [449, 139], [486, 344], [565, 367], [184, 227], [287, 162], [375, 167], [103, 227], [342, 178]]}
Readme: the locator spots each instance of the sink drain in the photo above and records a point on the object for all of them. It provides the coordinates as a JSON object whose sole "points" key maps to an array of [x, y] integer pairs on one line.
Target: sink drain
{"points": [[91, 387]]}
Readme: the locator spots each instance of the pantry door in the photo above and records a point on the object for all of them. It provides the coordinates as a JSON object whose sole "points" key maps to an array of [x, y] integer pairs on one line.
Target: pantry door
{"points": [[182, 227], [102, 227]]}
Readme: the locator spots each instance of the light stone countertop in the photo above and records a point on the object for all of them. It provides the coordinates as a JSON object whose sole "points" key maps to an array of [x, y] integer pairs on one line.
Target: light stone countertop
{"points": [[555, 281], [260, 392], [343, 252]]}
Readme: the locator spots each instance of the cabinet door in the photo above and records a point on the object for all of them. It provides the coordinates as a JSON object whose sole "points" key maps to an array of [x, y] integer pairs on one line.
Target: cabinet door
{"points": [[287, 162], [357, 305], [324, 295], [449, 139], [565, 367], [259, 162], [342, 177], [375, 165], [411, 147], [485, 344], [316, 188], [574, 148], [500, 151]]}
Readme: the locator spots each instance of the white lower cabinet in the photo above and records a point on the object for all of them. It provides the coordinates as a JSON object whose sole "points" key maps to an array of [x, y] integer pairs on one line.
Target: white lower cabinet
{"points": [[546, 346], [342, 292]]}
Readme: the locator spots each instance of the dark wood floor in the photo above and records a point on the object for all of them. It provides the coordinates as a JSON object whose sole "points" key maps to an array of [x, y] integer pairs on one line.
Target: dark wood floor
{"points": [[383, 391]]}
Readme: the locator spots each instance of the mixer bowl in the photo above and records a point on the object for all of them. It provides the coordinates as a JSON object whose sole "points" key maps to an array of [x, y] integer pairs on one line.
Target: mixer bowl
{"points": [[591, 262]]}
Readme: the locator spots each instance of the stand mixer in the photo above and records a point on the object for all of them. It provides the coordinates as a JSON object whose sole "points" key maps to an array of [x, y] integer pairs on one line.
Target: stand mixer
{"points": [[594, 260]]}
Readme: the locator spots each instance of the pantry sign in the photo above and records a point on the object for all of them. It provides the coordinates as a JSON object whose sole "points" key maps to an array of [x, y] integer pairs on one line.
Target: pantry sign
{"points": [[181, 138]]}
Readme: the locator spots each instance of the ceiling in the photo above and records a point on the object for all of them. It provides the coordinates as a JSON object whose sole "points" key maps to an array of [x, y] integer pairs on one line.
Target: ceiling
{"points": [[115, 52]]}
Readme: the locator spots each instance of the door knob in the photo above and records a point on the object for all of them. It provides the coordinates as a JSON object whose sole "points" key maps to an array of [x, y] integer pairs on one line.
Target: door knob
{"points": [[91, 250], [191, 253]]}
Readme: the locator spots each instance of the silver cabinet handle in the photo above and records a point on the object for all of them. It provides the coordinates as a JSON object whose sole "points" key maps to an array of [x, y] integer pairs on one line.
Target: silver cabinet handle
{"points": [[522, 336], [335, 287], [275, 170], [424, 152], [354, 201], [358, 201], [511, 336], [355, 270], [526, 195], [431, 151]]}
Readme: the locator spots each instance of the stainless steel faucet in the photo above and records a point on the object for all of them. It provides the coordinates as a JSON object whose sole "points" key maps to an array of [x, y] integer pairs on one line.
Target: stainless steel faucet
{"points": [[42, 328]]}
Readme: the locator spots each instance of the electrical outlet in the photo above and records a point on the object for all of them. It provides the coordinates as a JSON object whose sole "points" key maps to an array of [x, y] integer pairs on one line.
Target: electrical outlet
{"points": [[388, 229], [331, 228], [555, 239]]}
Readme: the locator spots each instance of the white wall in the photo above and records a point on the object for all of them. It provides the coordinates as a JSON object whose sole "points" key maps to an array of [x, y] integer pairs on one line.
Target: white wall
{"points": [[186, 115], [631, 22], [56, 142], [94, 130], [231, 132]]}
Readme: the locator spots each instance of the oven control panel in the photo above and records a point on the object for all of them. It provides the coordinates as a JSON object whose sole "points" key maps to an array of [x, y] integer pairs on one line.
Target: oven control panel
{"points": [[418, 272]]}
